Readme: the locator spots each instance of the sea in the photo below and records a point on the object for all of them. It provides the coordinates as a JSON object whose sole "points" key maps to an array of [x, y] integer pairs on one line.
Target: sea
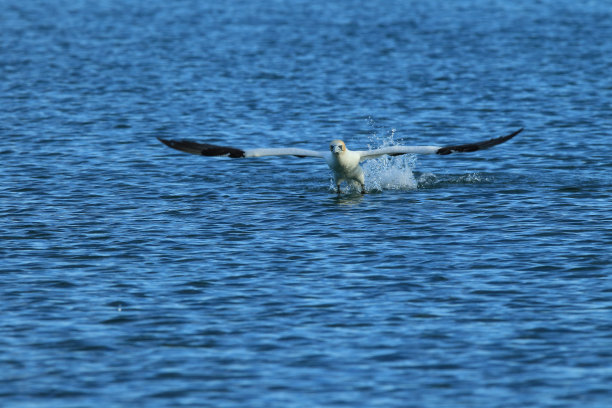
{"points": [[135, 275]]}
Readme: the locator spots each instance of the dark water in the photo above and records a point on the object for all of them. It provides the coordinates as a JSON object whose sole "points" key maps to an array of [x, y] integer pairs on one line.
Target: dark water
{"points": [[134, 275]]}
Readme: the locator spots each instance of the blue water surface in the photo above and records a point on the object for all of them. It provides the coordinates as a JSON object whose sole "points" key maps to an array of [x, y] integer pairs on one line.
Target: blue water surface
{"points": [[136, 275]]}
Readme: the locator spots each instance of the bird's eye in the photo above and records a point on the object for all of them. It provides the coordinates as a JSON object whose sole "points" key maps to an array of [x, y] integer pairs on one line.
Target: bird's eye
{"points": [[331, 148]]}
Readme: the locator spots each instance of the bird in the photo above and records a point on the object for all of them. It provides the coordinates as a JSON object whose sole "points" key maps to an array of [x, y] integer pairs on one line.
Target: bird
{"points": [[344, 163]]}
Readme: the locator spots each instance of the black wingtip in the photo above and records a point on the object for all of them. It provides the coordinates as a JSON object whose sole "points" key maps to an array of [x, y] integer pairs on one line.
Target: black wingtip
{"points": [[182, 145], [472, 147], [203, 149], [164, 141]]}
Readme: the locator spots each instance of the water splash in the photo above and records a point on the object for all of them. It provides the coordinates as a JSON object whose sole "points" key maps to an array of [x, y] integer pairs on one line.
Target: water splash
{"points": [[388, 173]]}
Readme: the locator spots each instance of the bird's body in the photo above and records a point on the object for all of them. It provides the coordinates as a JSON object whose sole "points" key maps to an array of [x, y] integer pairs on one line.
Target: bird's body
{"points": [[344, 163]]}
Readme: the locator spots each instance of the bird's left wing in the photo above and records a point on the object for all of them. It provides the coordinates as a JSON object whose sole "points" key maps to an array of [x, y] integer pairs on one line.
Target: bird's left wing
{"points": [[205, 149], [442, 150]]}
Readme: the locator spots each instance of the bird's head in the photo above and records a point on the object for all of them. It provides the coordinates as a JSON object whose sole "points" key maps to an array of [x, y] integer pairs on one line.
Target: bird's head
{"points": [[337, 147]]}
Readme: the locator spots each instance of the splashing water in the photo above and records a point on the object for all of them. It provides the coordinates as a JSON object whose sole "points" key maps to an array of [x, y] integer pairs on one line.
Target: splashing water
{"points": [[390, 173], [387, 172]]}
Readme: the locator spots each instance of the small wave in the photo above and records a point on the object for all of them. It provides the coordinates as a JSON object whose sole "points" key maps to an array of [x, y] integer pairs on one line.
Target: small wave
{"points": [[474, 178], [430, 180]]}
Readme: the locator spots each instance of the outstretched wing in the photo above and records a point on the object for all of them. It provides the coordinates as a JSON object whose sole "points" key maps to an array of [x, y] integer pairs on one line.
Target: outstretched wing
{"points": [[470, 147], [205, 149]]}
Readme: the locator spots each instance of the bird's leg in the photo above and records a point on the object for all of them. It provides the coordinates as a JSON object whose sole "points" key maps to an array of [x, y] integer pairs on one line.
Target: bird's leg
{"points": [[363, 189], [338, 189]]}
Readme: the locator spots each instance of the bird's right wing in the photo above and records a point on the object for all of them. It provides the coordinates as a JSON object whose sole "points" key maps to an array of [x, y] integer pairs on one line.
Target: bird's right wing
{"points": [[205, 149]]}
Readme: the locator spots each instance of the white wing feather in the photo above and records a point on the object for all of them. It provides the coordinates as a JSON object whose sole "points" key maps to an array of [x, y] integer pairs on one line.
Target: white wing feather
{"points": [[398, 150], [283, 151]]}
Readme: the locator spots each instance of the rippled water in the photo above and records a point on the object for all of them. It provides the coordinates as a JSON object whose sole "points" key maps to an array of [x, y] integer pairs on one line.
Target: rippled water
{"points": [[135, 275]]}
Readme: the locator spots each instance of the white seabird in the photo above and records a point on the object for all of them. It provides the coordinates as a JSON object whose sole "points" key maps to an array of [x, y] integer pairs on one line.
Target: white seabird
{"points": [[343, 162]]}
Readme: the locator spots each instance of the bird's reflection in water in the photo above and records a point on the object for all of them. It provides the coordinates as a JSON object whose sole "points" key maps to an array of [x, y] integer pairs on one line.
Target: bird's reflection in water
{"points": [[350, 198]]}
